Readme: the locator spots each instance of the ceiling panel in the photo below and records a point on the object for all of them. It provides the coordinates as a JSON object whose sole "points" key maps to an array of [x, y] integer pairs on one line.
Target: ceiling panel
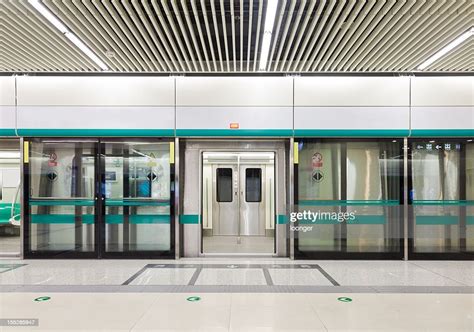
{"points": [[226, 36]]}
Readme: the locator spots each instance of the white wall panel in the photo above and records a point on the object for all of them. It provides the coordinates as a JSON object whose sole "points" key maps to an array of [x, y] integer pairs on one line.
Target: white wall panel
{"points": [[352, 91], [234, 91], [7, 90], [95, 91], [442, 91], [60, 117], [7, 117], [222, 117], [442, 118], [370, 118]]}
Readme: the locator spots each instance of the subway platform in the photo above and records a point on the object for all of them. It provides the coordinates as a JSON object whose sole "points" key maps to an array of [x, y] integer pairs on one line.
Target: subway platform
{"points": [[215, 294]]}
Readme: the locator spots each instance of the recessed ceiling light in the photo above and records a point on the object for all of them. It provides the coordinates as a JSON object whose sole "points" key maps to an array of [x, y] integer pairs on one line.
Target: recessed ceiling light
{"points": [[64, 30], [448, 48], [267, 33]]}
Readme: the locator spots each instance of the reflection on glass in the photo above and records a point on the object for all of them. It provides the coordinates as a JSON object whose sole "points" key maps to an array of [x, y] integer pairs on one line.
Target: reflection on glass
{"points": [[361, 179], [253, 185], [442, 195], [137, 187], [62, 213], [224, 185]]}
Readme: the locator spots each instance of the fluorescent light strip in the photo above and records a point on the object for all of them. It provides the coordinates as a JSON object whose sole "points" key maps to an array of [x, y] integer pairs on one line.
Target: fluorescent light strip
{"points": [[64, 30], [270, 16], [448, 48]]}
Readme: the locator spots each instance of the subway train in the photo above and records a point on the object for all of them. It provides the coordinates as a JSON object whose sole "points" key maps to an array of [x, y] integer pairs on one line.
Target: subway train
{"points": [[305, 167]]}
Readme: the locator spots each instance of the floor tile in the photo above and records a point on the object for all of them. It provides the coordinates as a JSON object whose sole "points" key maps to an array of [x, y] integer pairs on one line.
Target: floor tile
{"points": [[298, 277], [460, 271], [236, 276], [399, 312], [383, 273], [164, 276]]}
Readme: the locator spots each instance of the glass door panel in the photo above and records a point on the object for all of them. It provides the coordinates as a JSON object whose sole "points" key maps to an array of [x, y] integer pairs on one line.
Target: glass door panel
{"points": [[348, 194], [319, 190], [442, 195], [137, 190], [61, 199]]}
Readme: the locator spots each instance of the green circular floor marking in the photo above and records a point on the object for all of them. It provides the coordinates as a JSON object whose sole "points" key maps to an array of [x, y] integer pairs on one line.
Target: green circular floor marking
{"points": [[344, 299], [42, 298], [193, 298]]}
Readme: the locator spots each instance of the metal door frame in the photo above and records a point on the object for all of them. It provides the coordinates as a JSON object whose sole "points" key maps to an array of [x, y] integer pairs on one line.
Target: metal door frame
{"points": [[201, 152]]}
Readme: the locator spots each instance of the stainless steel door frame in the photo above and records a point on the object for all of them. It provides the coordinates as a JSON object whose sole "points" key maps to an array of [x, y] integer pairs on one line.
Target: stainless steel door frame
{"points": [[275, 196]]}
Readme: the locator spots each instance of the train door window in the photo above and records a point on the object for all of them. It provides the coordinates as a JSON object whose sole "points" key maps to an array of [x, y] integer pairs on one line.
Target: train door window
{"points": [[224, 185], [253, 185]]}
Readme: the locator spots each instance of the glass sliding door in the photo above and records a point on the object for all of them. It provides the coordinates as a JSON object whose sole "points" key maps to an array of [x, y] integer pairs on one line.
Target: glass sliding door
{"points": [[349, 198], [94, 198], [442, 198], [61, 198], [138, 198]]}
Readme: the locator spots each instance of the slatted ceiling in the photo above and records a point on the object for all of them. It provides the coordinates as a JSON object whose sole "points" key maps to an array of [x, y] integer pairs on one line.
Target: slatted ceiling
{"points": [[461, 57], [227, 35]]}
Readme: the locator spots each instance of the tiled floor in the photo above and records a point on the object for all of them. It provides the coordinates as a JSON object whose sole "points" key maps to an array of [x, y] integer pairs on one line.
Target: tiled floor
{"points": [[239, 295], [242, 312]]}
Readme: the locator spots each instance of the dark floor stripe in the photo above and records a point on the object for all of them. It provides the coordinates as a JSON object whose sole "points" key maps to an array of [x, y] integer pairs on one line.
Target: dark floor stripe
{"points": [[268, 277], [195, 276], [328, 276], [133, 277]]}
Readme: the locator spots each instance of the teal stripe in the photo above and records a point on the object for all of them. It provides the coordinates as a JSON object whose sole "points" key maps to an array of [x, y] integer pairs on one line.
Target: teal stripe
{"points": [[470, 220], [75, 202], [109, 219], [442, 132], [6, 212], [189, 219], [359, 220], [352, 132], [133, 203], [139, 219], [368, 220], [282, 219], [97, 132], [437, 220], [60, 219], [317, 222], [234, 132], [442, 202], [7, 132], [346, 202]]}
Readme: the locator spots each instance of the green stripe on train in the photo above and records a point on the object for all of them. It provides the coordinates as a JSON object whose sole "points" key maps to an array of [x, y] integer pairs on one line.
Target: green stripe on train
{"points": [[6, 212], [234, 132], [96, 132]]}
